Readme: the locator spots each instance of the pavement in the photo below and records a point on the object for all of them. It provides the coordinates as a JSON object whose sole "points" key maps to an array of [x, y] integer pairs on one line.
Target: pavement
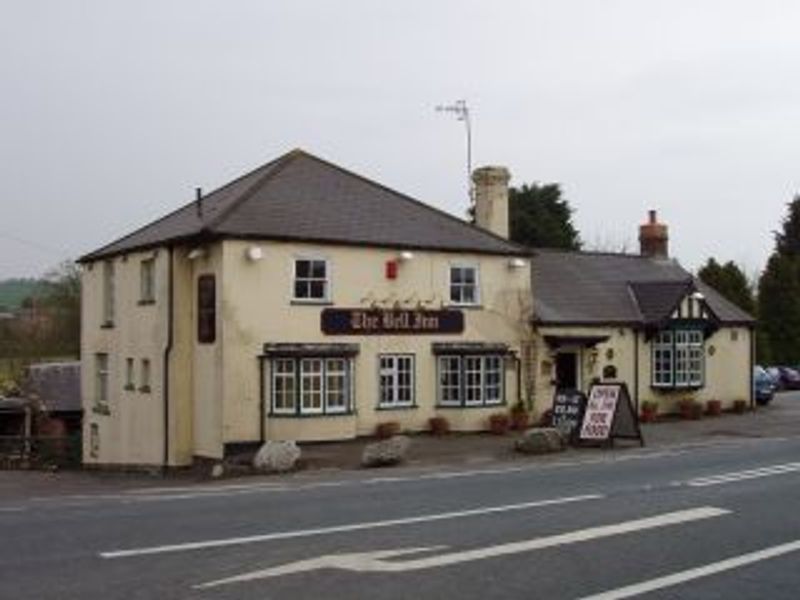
{"points": [[707, 511], [778, 419]]}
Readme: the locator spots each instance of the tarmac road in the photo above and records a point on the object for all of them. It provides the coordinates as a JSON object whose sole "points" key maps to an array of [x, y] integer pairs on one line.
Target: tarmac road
{"points": [[717, 520]]}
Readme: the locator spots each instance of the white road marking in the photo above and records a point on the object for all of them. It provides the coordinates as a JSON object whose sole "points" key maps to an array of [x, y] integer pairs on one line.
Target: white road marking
{"points": [[734, 476], [282, 535], [696, 573], [12, 509], [375, 561]]}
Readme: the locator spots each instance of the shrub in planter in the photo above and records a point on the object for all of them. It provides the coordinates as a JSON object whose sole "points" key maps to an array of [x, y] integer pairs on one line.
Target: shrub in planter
{"points": [[387, 429], [498, 423], [690, 409], [546, 419], [439, 425], [519, 417], [714, 408], [649, 411], [739, 406]]}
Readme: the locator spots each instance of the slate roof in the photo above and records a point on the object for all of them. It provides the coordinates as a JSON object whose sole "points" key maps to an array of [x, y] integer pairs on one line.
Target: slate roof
{"points": [[596, 289], [301, 197]]}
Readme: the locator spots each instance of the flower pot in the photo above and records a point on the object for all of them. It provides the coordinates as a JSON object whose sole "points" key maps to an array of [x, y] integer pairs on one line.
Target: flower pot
{"points": [[714, 408], [519, 420], [439, 425], [498, 424]]}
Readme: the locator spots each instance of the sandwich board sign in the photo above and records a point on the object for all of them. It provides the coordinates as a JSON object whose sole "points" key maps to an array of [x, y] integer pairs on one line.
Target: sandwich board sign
{"points": [[610, 415], [568, 409]]}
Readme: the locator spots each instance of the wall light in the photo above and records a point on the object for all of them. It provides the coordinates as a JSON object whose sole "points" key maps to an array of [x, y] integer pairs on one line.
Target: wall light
{"points": [[516, 263], [196, 253], [254, 253], [405, 255]]}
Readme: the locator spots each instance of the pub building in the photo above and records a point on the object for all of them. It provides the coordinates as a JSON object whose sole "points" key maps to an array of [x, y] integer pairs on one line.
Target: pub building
{"points": [[305, 302]]}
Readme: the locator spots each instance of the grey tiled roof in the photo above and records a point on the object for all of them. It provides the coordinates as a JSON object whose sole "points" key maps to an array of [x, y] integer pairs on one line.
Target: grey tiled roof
{"points": [[585, 288], [301, 197]]}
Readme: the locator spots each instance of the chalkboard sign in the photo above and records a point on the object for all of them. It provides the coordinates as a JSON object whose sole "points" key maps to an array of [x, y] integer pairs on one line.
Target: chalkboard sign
{"points": [[568, 409], [610, 415]]}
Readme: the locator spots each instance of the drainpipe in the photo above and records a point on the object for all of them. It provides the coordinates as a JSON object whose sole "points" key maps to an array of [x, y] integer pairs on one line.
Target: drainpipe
{"points": [[636, 369], [752, 367], [167, 352], [262, 405]]}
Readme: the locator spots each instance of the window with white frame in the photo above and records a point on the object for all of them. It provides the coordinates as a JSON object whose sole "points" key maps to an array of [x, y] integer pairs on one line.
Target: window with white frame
{"points": [[147, 281], [101, 380], [396, 380], [311, 386], [284, 386], [449, 380], [464, 284], [678, 359], [472, 380], [662, 359], [311, 279], [108, 293]]}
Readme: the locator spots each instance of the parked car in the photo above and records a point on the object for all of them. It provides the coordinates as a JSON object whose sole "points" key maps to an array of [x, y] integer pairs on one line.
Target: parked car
{"points": [[790, 379], [763, 385], [775, 375]]}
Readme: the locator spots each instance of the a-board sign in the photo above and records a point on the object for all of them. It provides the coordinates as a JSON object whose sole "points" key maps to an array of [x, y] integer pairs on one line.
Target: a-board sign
{"points": [[372, 321], [568, 409], [609, 415]]}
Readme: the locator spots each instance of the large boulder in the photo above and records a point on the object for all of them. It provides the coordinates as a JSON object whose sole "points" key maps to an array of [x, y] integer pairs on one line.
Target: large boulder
{"points": [[540, 440], [385, 453], [277, 457]]}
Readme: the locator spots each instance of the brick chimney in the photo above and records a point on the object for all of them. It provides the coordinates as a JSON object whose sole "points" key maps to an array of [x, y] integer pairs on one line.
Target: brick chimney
{"points": [[491, 199], [653, 238]]}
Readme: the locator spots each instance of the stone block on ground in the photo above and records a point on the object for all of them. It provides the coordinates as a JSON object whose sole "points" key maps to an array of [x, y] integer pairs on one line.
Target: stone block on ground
{"points": [[540, 440], [277, 456], [386, 452]]}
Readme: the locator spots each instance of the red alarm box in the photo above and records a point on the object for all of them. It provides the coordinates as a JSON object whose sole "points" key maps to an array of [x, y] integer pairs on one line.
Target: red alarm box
{"points": [[391, 269]]}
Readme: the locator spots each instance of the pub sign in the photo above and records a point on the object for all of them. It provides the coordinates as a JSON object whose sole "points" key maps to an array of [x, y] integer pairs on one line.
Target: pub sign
{"points": [[369, 321]]}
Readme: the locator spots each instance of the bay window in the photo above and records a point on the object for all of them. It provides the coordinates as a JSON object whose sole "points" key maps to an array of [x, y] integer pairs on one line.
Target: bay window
{"points": [[307, 386], [678, 359], [471, 380]]}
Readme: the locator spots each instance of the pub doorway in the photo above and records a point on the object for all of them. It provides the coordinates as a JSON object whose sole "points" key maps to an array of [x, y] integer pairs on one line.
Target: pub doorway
{"points": [[567, 377]]}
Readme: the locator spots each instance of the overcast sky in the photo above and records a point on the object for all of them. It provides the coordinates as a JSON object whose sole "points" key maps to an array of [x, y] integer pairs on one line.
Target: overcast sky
{"points": [[113, 112]]}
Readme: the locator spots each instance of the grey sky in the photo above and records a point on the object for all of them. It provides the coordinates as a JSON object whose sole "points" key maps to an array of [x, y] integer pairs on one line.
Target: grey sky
{"points": [[113, 112]]}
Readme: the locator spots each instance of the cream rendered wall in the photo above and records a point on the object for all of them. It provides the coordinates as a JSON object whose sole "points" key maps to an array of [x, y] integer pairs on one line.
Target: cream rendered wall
{"points": [[727, 372], [132, 432], [618, 351], [257, 308], [207, 381], [727, 367]]}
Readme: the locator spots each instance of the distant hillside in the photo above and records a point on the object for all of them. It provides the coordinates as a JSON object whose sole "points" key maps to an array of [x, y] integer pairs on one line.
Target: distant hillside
{"points": [[14, 291]]}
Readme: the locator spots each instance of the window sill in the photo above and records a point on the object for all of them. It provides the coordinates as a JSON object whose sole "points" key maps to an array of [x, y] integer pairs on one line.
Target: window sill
{"points": [[471, 406], [464, 306], [107, 325], [678, 388], [146, 302], [389, 407], [310, 302], [101, 409], [295, 415]]}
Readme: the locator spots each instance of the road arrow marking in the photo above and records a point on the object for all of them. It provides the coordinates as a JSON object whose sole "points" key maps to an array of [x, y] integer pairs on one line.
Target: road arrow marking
{"points": [[376, 561], [283, 535], [683, 576]]}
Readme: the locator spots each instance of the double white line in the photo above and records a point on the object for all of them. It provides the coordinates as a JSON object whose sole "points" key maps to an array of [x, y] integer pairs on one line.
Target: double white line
{"points": [[744, 475]]}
